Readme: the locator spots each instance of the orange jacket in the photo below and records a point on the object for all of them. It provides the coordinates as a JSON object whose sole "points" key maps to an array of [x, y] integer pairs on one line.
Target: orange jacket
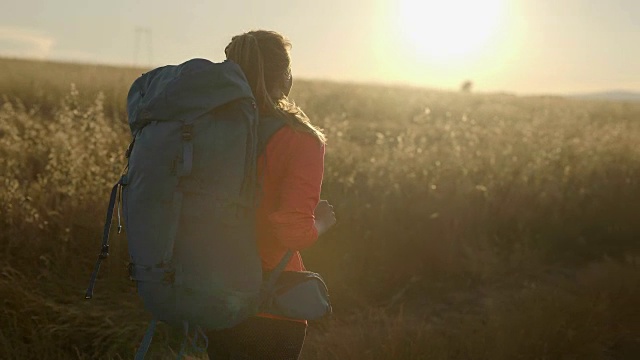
{"points": [[291, 170]]}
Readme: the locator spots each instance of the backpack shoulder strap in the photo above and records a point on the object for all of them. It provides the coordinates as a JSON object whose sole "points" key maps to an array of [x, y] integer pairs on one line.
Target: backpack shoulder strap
{"points": [[267, 126]]}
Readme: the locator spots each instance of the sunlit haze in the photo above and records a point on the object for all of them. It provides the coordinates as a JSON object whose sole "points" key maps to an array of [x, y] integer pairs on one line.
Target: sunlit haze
{"points": [[521, 46], [440, 31]]}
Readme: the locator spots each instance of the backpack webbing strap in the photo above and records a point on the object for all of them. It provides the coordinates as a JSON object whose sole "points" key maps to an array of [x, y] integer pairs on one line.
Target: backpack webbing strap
{"points": [[146, 340], [280, 268], [269, 285], [187, 147], [187, 342], [104, 249], [151, 274], [267, 127], [176, 210]]}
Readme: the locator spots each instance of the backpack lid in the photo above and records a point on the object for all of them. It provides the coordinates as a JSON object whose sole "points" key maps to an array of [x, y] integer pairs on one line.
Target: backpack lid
{"points": [[184, 92]]}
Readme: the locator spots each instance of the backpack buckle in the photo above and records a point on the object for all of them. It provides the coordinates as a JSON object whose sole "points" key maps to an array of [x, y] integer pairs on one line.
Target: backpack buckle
{"points": [[131, 269], [169, 276], [187, 132], [104, 252]]}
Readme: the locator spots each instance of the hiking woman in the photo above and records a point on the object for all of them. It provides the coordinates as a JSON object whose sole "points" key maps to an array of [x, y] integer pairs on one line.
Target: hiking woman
{"points": [[291, 215]]}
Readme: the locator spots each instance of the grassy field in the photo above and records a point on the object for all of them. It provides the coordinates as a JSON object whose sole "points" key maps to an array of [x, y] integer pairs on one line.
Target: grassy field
{"points": [[470, 226]]}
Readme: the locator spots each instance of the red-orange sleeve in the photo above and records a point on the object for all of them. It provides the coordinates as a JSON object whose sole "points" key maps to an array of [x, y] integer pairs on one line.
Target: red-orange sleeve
{"points": [[293, 220]]}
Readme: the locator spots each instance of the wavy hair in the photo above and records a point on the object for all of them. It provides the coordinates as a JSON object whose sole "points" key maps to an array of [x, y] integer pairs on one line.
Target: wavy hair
{"points": [[264, 58]]}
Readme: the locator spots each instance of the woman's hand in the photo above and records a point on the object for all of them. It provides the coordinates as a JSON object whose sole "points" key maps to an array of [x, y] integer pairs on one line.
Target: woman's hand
{"points": [[325, 217]]}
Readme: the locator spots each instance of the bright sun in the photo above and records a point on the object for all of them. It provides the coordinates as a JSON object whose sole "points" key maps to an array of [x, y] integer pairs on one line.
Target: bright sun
{"points": [[445, 30]]}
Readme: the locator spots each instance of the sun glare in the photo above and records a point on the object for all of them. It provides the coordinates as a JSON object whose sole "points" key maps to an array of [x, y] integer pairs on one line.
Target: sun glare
{"points": [[447, 30]]}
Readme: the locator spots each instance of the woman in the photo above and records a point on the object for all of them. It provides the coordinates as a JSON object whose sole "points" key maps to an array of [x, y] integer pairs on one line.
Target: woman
{"points": [[291, 215]]}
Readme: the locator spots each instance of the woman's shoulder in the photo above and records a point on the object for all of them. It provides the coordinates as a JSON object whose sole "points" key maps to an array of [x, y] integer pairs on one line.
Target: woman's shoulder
{"points": [[297, 138], [294, 146]]}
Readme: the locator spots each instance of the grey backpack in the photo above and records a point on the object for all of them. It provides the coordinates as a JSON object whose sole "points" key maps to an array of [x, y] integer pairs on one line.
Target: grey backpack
{"points": [[189, 197]]}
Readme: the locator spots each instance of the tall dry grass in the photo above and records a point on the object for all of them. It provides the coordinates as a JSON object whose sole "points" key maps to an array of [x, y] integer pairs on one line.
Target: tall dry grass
{"points": [[471, 226]]}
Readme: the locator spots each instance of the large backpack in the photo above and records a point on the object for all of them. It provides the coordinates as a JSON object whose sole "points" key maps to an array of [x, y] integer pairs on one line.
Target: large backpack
{"points": [[189, 196]]}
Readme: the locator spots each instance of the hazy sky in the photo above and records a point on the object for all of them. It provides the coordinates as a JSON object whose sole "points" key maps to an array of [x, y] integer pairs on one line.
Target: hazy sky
{"points": [[524, 46]]}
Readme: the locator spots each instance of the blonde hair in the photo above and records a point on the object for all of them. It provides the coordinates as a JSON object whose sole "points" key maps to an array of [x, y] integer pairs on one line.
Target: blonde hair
{"points": [[264, 58]]}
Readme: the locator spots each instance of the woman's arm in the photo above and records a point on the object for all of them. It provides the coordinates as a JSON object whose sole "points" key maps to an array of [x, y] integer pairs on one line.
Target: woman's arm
{"points": [[293, 222]]}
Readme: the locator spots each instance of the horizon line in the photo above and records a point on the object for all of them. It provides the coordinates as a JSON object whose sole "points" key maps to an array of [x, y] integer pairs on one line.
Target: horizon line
{"points": [[390, 83]]}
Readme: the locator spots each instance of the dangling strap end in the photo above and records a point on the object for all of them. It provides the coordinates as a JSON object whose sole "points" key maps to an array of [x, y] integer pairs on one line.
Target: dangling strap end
{"points": [[92, 282], [146, 340], [104, 250]]}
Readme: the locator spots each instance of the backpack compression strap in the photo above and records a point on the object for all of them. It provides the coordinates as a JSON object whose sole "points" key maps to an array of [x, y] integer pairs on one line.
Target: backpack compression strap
{"points": [[114, 202]]}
